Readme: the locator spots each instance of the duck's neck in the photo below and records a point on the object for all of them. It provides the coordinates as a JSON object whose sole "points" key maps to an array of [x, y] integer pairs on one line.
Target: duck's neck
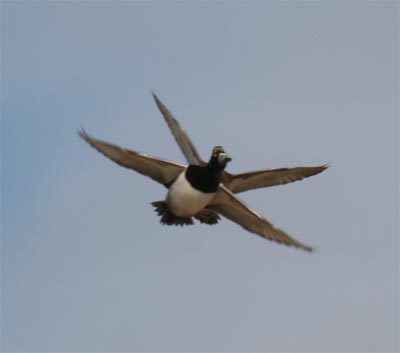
{"points": [[214, 166]]}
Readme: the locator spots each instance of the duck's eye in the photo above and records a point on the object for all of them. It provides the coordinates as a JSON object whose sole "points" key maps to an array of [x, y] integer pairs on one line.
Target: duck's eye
{"points": [[215, 155]]}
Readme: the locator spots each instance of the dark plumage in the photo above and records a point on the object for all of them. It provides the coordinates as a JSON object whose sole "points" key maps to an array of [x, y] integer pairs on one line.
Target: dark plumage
{"points": [[207, 178]]}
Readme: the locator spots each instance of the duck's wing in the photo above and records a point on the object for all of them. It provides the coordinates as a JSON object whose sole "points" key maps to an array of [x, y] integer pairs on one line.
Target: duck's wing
{"points": [[231, 207], [270, 177], [187, 147], [158, 169]]}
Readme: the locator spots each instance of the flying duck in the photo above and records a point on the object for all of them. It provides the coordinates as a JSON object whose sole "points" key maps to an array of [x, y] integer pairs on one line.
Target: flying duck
{"points": [[204, 190]]}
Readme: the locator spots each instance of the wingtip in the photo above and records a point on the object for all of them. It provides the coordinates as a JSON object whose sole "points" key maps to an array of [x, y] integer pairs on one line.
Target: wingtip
{"points": [[82, 133], [293, 243], [163, 109], [302, 246], [307, 248], [155, 97], [321, 168]]}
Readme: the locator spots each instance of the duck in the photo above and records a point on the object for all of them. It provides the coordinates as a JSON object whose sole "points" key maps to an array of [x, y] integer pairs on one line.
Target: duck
{"points": [[204, 190]]}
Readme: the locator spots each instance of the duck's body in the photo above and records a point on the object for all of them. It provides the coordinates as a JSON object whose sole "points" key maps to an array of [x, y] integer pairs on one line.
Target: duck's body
{"points": [[193, 190], [184, 200]]}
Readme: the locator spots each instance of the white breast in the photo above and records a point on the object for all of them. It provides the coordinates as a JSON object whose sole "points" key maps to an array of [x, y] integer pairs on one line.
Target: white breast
{"points": [[185, 201]]}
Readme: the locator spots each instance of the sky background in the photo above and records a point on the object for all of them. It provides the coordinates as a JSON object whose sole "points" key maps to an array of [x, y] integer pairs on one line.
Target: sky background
{"points": [[85, 264]]}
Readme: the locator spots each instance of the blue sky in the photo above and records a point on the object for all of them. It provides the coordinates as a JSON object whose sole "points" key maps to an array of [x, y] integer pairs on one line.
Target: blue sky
{"points": [[86, 266]]}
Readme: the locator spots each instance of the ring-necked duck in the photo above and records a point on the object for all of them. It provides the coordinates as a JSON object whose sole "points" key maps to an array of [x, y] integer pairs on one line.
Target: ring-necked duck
{"points": [[204, 190]]}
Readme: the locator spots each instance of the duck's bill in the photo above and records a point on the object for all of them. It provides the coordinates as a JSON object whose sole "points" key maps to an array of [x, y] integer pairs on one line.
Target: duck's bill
{"points": [[224, 158]]}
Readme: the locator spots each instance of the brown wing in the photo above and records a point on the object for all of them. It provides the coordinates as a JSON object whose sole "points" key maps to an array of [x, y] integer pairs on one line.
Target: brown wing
{"points": [[270, 177], [180, 135], [229, 206], [157, 169]]}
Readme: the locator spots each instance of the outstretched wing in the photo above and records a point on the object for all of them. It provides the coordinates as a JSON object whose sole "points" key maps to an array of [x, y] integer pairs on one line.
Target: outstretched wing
{"points": [[229, 206], [161, 170], [270, 177], [181, 137]]}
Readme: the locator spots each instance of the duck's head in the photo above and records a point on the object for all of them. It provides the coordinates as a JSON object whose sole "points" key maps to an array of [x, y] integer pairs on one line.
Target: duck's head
{"points": [[219, 159]]}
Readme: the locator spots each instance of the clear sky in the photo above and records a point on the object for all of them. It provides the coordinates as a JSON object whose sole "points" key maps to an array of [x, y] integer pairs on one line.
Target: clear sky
{"points": [[86, 266]]}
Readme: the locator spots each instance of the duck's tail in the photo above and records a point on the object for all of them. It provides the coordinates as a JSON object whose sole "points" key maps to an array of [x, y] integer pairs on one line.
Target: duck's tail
{"points": [[207, 217], [204, 216], [168, 218]]}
